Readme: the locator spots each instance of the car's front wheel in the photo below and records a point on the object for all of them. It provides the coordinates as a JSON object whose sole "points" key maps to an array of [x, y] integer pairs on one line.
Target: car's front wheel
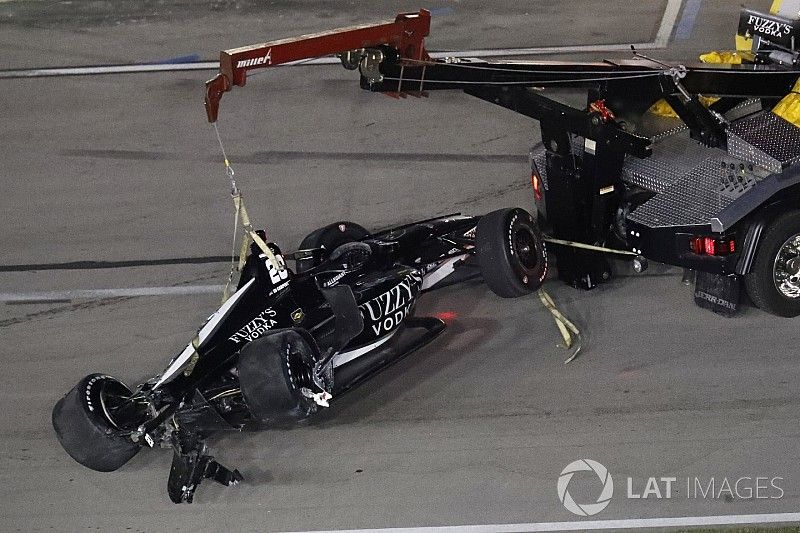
{"points": [[88, 421], [511, 252]]}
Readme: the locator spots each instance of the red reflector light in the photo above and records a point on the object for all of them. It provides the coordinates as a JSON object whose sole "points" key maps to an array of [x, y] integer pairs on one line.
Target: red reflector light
{"points": [[712, 246], [537, 186], [709, 246]]}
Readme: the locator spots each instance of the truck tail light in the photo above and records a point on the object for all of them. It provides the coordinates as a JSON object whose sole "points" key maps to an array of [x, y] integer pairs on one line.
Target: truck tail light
{"points": [[537, 186], [712, 246]]}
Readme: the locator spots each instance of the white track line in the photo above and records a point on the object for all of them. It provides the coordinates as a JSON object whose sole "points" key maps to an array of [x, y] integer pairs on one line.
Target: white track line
{"points": [[99, 294], [665, 28], [636, 523]]}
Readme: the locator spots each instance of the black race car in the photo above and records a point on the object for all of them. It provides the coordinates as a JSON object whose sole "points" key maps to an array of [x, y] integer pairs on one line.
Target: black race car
{"points": [[287, 342]]}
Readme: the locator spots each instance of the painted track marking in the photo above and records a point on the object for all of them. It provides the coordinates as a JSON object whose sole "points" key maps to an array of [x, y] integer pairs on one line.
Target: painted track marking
{"points": [[593, 525], [662, 38]]}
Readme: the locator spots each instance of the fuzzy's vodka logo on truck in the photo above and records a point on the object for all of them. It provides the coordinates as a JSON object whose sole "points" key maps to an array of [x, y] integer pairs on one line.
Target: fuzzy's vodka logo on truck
{"points": [[387, 311], [262, 323], [771, 28], [777, 30]]}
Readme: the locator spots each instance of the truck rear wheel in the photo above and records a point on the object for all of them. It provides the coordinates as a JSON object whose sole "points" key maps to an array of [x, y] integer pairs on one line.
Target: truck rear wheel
{"points": [[87, 417], [773, 282], [511, 252]]}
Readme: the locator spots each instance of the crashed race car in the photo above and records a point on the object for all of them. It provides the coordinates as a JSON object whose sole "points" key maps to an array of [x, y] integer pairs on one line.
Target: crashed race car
{"points": [[287, 342]]}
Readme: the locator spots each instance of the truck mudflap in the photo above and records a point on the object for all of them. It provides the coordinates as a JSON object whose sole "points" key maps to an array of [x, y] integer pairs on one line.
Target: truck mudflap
{"points": [[718, 293]]}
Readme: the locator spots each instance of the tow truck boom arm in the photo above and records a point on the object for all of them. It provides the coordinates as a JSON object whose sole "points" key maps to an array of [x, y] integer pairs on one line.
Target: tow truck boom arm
{"points": [[405, 34]]}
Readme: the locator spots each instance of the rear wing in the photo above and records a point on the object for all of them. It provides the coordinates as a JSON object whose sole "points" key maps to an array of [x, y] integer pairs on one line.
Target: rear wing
{"points": [[405, 34]]}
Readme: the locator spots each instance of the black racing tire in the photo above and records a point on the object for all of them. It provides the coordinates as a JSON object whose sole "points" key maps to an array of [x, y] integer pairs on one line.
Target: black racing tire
{"points": [[272, 372], [329, 237], [511, 252], [83, 428], [760, 282]]}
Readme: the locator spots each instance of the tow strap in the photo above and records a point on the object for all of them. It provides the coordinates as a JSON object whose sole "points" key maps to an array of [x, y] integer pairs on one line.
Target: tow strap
{"points": [[565, 325], [250, 234], [569, 331]]}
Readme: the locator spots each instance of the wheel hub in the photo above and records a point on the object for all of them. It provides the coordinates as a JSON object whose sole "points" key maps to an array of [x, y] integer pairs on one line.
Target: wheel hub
{"points": [[525, 247], [120, 407], [786, 270]]}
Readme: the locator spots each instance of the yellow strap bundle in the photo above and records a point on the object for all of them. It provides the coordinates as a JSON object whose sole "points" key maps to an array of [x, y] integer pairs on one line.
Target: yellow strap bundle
{"points": [[789, 108], [726, 57], [663, 109], [565, 326]]}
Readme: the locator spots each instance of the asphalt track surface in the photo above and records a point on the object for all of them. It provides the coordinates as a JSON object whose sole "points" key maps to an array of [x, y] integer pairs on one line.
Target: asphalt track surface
{"points": [[473, 429]]}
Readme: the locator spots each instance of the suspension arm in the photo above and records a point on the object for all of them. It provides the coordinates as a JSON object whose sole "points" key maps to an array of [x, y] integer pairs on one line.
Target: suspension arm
{"points": [[405, 34]]}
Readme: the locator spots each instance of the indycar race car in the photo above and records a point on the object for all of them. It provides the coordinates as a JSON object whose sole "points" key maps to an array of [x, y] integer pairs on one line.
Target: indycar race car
{"points": [[287, 342]]}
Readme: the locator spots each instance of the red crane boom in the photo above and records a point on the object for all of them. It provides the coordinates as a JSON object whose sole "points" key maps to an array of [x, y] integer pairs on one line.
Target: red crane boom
{"points": [[405, 34]]}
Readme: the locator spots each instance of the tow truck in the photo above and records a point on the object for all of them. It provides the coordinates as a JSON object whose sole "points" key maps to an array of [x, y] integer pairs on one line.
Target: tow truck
{"points": [[713, 189]]}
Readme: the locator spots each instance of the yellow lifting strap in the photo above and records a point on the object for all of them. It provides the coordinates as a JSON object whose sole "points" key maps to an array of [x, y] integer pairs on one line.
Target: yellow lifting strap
{"points": [[789, 107], [249, 236]]}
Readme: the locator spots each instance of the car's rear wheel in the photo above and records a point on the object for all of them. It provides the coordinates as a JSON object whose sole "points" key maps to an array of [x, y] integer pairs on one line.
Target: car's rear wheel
{"points": [[511, 252], [89, 418], [329, 237], [773, 282], [273, 371]]}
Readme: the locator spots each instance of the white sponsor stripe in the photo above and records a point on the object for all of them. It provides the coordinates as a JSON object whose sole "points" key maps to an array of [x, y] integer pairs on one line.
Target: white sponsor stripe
{"points": [[95, 294], [445, 269], [589, 525], [662, 39], [346, 357], [204, 332]]}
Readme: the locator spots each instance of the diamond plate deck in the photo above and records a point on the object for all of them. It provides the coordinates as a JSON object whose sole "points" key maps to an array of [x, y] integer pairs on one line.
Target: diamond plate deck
{"points": [[692, 200], [765, 140], [674, 158]]}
